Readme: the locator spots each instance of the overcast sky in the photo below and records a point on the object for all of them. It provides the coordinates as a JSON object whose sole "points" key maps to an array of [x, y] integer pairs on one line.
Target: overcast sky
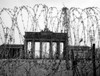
{"points": [[51, 3]]}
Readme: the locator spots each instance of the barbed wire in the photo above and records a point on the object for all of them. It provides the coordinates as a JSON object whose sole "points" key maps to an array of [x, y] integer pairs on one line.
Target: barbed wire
{"points": [[83, 24]]}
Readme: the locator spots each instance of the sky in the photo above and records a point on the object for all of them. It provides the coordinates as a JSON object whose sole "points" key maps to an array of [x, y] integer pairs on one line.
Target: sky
{"points": [[51, 3]]}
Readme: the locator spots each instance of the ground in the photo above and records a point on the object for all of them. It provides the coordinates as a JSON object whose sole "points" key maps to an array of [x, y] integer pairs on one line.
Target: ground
{"points": [[30, 67]]}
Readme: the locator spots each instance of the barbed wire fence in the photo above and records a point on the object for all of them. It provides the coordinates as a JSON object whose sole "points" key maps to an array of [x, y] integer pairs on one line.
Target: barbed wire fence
{"points": [[82, 23]]}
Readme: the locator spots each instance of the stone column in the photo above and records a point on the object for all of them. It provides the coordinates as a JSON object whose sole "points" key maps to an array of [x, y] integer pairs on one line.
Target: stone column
{"points": [[25, 48], [58, 50], [33, 49], [40, 49], [21, 52], [50, 51], [64, 51], [66, 54]]}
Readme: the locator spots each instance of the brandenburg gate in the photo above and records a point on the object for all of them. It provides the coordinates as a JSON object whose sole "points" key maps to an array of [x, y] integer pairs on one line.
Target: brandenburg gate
{"points": [[45, 36]]}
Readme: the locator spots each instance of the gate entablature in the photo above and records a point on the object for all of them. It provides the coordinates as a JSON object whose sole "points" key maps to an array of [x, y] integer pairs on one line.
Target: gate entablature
{"points": [[45, 36]]}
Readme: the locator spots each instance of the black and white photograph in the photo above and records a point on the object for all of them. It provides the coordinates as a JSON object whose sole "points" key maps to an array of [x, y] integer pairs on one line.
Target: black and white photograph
{"points": [[49, 37]]}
